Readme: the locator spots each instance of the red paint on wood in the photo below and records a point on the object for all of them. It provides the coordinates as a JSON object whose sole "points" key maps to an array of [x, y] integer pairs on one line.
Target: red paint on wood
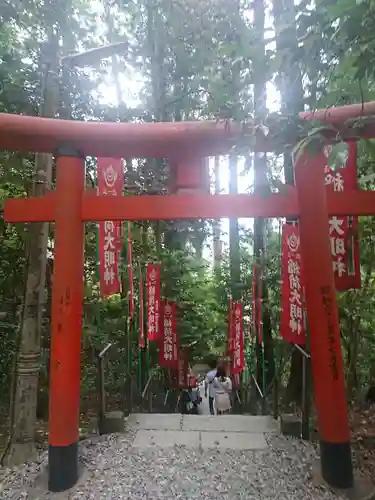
{"points": [[187, 206], [65, 369], [322, 313], [340, 114], [117, 140]]}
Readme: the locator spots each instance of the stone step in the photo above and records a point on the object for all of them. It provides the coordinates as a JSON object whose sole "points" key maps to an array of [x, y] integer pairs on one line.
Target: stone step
{"points": [[230, 423], [223, 423], [203, 440], [156, 421]]}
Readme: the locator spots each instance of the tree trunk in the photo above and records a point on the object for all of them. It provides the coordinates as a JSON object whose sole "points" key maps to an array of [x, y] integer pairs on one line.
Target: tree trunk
{"points": [[261, 186], [156, 52], [198, 237], [291, 90], [25, 391], [234, 239], [108, 17], [216, 230]]}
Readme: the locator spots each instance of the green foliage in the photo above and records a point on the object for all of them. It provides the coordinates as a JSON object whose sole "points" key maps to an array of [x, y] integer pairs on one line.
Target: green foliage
{"points": [[192, 60]]}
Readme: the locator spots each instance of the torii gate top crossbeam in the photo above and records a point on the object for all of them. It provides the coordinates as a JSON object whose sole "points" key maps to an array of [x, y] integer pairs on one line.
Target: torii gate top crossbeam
{"points": [[341, 114], [158, 140], [117, 140]]}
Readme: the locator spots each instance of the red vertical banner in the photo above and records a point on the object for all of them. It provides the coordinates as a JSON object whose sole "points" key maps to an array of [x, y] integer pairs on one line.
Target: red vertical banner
{"points": [[192, 381], [238, 364], [292, 323], [236, 380], [169, 350], [110, 183], [142, 342], [230, 334], [343, 229], [110, 176], [183, 369], [153, 300], [130, 269], [110, 244]]}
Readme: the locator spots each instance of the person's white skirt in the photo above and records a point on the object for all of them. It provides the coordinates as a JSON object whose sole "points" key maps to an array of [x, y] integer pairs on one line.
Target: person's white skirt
{"points": [[222, 402]]}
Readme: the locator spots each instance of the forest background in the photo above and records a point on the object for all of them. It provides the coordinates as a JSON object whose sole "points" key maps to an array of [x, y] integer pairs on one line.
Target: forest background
{"points": [[258, 61]]}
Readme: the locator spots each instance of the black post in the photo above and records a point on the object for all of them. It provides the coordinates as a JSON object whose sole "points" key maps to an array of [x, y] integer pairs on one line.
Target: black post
{"points": [[306, 397], [130, 364], [264, 401], [101, 394], [305, 424], [101, 387], [275, 398]]}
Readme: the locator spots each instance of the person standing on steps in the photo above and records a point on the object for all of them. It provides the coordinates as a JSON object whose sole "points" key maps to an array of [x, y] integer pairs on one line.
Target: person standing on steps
{"points": [[222, 386], [208, 384]]}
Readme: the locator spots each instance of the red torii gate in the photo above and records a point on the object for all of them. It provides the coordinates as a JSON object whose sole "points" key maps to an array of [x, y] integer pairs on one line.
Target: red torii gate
{"points": [[69, 207]]}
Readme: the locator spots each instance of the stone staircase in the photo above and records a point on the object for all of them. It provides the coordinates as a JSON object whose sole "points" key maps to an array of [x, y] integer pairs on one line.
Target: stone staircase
{"points": [[236, 432]]}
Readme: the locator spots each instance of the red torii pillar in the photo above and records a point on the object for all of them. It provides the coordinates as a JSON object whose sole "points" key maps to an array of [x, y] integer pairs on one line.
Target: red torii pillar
{"points": [[189, 175], [67, 298], [323, 322]]}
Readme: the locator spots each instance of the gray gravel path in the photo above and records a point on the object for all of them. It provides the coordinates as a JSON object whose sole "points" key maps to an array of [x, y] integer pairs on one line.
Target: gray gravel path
{"points": [[117, 471]]}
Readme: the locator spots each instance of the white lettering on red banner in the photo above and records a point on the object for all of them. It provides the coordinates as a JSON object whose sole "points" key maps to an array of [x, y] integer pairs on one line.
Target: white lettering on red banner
{"points": [[238, 363], [110, 183], [153, 301], [142, 342], [342, 229], [292, 324], [169, 341], [338, 238]]}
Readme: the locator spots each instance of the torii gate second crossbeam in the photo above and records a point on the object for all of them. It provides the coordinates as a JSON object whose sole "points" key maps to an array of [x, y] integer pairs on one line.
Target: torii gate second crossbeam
{"points": [[69, 207]]}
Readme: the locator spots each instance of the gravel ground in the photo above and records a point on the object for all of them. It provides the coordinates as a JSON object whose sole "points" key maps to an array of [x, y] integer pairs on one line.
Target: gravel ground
{"points": [[116, 472]]}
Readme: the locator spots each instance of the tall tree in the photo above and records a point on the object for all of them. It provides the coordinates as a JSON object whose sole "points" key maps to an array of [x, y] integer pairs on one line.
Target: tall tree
{"points": [[231, 108], [216, 229], [261, 186], [24, 400], [292, 101]]}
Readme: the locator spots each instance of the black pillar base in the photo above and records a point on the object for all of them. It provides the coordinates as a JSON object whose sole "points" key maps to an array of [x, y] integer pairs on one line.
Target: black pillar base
{"points": [[62, 467], [336, 464]]}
